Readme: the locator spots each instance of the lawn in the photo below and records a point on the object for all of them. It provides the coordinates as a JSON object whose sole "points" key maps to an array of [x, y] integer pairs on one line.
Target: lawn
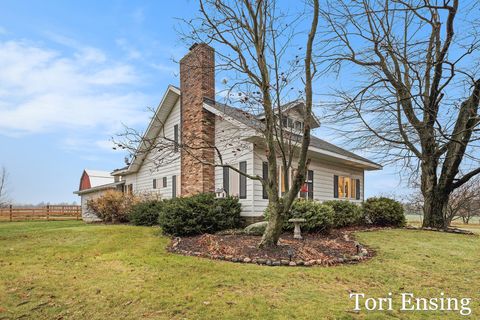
{"points": [[68, 270]]}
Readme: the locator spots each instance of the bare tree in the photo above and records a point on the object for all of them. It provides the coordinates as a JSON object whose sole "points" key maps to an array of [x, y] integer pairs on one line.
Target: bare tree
{"points": [[417, 88], [464, 202], [3, 187], [267, 57]]}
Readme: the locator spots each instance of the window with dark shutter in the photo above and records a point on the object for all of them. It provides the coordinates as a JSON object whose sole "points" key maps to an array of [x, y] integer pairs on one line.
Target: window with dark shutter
{"points": [[154, 183], [226, 180], [243, 180], [164, 182], [310, 184], [174, 186], [175, 137], [335, 186], [357, 196], [265, 178]]}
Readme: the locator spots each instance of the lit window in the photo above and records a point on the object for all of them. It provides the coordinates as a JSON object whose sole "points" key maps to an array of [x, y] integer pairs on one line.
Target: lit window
{"points": [[346, 187]]}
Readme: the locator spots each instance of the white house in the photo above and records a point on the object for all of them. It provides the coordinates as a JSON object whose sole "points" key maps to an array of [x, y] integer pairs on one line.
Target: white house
{"points": [[189, 113]]}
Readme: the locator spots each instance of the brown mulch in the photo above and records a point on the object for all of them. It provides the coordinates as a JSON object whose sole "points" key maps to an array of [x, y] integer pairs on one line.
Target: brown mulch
{"points": [[314, 249]]}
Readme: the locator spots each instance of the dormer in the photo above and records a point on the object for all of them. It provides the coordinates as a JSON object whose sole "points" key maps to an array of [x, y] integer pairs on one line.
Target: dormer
{"points": [[292, 116]]}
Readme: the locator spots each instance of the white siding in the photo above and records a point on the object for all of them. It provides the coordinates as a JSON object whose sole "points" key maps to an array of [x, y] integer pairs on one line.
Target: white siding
{"points": [[228, 139], [323, 172], [143, 179], [88, 215]]}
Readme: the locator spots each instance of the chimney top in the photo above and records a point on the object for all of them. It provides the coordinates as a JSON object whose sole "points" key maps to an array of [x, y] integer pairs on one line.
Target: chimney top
{"points": [[193, 46]]}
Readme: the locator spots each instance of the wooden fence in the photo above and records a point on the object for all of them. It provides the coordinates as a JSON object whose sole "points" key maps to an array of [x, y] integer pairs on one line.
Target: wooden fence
{"points": [[49, 212]]}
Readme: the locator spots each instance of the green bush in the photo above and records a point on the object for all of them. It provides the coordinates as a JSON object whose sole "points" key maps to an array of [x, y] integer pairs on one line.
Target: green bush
{"points": [[384, 212], [346, 213], [145, 213], [319, 217], [198, 214]]}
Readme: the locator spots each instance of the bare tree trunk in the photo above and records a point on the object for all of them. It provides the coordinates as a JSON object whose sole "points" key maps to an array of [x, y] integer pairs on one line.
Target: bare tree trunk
{"points": [[434, 209], [274, 227]]}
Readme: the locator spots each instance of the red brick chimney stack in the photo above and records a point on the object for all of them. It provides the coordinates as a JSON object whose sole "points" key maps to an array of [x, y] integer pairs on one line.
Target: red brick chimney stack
{"points": [[197, 81]]}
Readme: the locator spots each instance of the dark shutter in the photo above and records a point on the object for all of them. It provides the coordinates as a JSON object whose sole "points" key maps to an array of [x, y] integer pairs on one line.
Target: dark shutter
{"points": [[243, 180], [310, 184], [175, 137], [226, 180], [174, 186], [154, 183], [265, 178], [357, 189], [164, 182], [335, 186]]}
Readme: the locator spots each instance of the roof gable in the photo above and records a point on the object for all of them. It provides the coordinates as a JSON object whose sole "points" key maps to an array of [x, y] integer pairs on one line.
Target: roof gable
{"points": [[169, 99]]}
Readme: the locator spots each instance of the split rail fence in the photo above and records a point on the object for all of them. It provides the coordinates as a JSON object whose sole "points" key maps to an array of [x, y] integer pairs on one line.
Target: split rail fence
{"points": [[49, 212]]}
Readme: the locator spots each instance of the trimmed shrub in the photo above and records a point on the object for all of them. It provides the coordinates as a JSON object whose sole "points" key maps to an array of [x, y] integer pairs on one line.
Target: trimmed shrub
{"points": [[112, 206], [145, 213], [346, 213], [198, 214], [384, 212], [319, 217]]}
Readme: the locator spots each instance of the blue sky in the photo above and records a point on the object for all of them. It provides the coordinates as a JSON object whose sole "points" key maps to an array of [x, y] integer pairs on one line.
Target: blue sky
{"points": [[72, 72]]}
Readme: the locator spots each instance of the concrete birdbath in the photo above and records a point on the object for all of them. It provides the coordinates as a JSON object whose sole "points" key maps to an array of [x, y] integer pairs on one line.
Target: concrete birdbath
{"points": [[297, 232]]}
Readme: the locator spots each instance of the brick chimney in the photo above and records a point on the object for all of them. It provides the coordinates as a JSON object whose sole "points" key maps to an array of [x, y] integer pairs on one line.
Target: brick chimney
{"points": [[197, 81]]}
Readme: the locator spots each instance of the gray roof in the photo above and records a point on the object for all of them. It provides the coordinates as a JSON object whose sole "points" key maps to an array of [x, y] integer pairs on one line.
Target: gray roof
{"points": [[252, 121]]}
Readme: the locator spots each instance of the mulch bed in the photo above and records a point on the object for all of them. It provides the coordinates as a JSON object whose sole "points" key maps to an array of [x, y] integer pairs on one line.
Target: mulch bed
{"points": [[314, 249]]}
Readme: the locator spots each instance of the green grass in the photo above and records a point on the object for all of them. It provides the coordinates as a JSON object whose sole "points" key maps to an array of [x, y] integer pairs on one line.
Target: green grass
{"points": [[69, 270]]}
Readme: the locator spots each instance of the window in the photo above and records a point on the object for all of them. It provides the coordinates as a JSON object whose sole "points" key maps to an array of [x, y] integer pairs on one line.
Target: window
{"points": [[298, 125], [174, 186], [243, 180], [284, 121], [175, 138], [290, 123], [130, 189], [164, 182], [226, 180], [265, 178], [154, 183], [346, 187], [307, 188]]}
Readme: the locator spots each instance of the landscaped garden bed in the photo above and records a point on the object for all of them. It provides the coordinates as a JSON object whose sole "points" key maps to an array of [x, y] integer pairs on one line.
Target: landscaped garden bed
{"points": [[314, 249]]}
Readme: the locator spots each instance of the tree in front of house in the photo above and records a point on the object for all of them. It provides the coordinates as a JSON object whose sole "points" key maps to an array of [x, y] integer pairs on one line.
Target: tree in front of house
{"points": [[266, 55], [415, 98], [260, 47]]}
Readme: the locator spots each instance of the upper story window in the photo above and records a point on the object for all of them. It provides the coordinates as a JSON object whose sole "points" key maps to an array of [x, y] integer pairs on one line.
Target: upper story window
{"points": [[298, 125], [291, 123]]}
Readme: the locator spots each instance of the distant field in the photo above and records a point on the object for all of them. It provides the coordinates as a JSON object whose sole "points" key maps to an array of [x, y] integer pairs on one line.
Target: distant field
{"points": [[69, 270], [411, 218]]}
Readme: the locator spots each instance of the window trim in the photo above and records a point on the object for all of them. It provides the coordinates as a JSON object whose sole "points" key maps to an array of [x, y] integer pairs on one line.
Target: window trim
{"points": [[174, 186], [265, 178], [226, 180], [242, 181], [175, 138], [164, 182]]}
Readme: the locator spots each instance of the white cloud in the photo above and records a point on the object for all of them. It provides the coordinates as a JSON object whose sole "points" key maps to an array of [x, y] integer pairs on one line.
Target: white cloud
{"points": [[132, 53], [44, 90]]}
